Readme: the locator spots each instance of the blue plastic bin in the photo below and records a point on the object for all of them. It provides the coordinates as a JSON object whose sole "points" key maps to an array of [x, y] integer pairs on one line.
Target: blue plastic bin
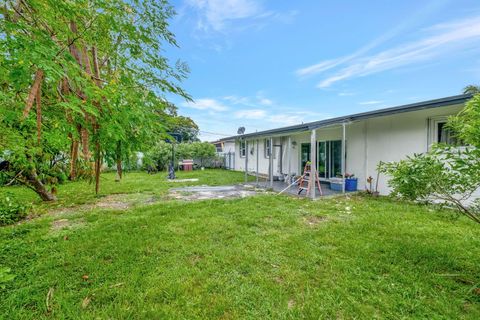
{"points": [[351, 184]]}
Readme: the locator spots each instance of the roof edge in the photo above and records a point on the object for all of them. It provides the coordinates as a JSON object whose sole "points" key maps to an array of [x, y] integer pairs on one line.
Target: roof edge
{"points": [[435, 103]]}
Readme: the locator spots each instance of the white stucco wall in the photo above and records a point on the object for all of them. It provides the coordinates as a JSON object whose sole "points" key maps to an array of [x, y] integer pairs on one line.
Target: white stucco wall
{"points": [[229, 146], [387, 138]]}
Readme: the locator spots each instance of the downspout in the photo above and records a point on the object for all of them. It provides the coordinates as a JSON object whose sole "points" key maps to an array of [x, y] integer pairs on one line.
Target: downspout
{"points": [[289, 160], [365, 132], [344, 165], [257, 164], [270, 161], [313, 163], [246, 161]]}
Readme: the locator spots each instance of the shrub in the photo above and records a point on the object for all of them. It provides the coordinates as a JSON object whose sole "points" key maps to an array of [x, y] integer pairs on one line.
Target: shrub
{"points": [[445, 174], [158, 157], [11, 210]]}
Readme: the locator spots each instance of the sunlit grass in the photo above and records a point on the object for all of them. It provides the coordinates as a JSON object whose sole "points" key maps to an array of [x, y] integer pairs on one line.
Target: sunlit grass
{"points": [[264, 257]]}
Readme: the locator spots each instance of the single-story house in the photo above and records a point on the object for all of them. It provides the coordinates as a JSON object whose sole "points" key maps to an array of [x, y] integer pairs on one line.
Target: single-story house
{"points": [[352, 144], [224, 145], [226, 148]]}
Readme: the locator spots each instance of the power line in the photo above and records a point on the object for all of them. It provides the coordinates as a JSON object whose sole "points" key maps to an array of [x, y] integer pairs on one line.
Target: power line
{"points": [[216, 133]]}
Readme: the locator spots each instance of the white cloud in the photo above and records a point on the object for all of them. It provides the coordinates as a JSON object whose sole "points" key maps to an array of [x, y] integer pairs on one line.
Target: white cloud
{"points": [[206, 104], [237, 100], [441, 40], [265, 102], [215, 13], [345, 94], [286, 119], [428, 8], [371, 102], [250, 114], [322, 66], [219, 15]]}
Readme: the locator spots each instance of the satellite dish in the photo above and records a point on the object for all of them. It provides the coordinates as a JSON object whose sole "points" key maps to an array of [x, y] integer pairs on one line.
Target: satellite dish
{"points": [[241, 130]]}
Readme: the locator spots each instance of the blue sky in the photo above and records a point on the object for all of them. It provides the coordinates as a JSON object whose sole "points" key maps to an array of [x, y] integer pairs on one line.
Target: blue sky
{"points": [[266, 64]]}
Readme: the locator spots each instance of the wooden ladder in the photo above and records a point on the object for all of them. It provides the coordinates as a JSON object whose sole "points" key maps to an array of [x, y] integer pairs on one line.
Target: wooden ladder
{"points": [[306, 181]]}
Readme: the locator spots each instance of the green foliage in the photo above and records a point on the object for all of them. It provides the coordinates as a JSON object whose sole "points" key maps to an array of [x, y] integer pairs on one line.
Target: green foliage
{"points": [[161, 154], [184, 151], [158, 157], [466, 124], [203, 151], [11, 210], [445, 174], [471, 89], [114, 112], [262, 257]]}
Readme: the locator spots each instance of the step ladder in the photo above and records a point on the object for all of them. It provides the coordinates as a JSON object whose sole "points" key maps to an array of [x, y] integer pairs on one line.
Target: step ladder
{"points": [[306, 181]]}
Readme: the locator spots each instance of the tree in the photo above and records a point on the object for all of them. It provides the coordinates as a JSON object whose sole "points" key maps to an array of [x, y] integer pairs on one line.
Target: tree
{"points": [[185, 127], [466, 124], [158, 157], [471, 89], [203, 151], [94, 72]]}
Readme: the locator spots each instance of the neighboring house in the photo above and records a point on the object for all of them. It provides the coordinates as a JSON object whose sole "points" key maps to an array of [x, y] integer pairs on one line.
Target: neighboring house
{"points": [[353, 144], [224, 146], [226, 149]]}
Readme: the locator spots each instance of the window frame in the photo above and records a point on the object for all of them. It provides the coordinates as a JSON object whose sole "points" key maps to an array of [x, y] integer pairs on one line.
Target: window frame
{"points": [[434, 131], [243, 148], [267, 150]]}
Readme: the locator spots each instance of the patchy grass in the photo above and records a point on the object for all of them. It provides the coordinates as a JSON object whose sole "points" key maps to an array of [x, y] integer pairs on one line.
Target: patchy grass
{"points": [[82, 192], [261, 257]]}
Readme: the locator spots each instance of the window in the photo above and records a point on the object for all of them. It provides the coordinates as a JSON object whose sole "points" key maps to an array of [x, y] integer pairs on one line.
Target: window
{"points": [[267, 148], [444, 134], [440, 133], [243, 149]]}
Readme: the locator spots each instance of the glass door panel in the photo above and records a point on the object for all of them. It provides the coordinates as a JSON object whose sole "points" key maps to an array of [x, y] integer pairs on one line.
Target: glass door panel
{"points": [[322, 159], [305, 155], [336, 158]]}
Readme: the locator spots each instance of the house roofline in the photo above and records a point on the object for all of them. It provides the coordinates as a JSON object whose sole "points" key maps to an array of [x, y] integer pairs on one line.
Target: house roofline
{"points": [[436, 103]]}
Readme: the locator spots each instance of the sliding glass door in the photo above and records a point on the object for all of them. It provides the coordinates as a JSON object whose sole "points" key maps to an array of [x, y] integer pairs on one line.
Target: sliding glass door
{"points": [[329, 159]]}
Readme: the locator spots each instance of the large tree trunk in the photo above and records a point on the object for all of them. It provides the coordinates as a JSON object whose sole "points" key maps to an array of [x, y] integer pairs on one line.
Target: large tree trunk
{"points": [[85, 147], [82, 61], [98, 166], [39, 115], [73, 159], [119, 160], [37, 82], [36, 184]]}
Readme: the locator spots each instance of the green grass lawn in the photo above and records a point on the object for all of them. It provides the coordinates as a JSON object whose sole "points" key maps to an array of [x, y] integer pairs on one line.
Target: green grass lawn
{"points": [[261, 257]]}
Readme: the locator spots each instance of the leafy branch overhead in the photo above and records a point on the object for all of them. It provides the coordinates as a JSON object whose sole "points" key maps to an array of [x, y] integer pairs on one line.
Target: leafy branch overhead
{"points": [[95, 73]]}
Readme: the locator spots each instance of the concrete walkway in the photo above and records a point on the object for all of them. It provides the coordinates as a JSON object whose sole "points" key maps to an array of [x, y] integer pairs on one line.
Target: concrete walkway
{"points": [[293, 190]]}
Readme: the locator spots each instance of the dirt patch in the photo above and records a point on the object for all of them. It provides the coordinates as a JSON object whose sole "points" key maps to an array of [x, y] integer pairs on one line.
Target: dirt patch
{"points": [[291, 304], [62, 224], [121, 201], [112, 202], [218, 192], [314, 220]]}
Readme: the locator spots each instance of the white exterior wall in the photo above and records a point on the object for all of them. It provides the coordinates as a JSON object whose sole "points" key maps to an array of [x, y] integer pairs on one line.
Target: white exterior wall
{"points": [[229, 146], [395, 137], [263, 162], [386, 138]]}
